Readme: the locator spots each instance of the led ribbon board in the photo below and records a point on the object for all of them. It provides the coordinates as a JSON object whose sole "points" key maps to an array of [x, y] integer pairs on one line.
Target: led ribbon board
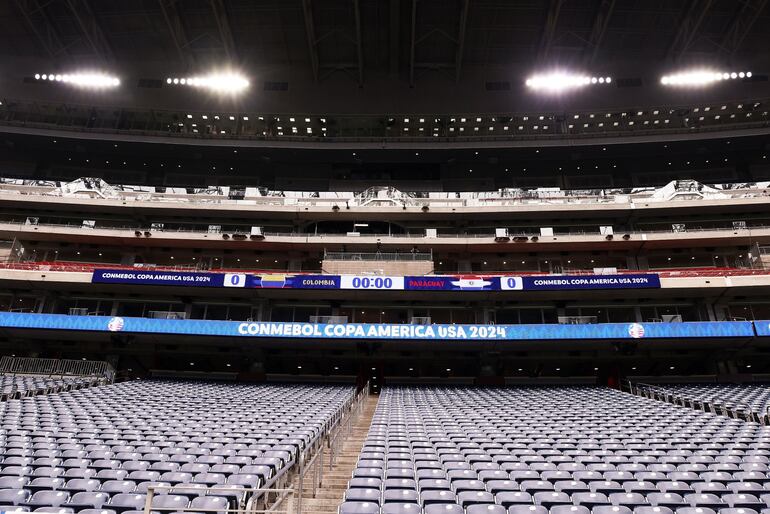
{"points": [[378, 283], [439, 333], [762, 328]]}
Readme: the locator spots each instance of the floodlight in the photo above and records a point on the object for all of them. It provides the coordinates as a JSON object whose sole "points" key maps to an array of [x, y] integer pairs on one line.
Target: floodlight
{"points": [[94, 80], [225, 82], [699, 78], [558, 81]]}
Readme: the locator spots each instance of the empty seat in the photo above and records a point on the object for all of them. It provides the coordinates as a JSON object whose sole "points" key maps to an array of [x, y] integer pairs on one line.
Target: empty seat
{"points": [[48, 499], [401, 508], [356, 507], [443, 509], [88, 500], [127, 501], [13, 496], [363, 496], [170, 501], [210, 503]]}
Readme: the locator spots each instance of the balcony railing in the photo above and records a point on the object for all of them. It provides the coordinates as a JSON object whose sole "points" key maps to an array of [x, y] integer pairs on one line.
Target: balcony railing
{"points": [[683, 272], [378, 256], [397, 238]]}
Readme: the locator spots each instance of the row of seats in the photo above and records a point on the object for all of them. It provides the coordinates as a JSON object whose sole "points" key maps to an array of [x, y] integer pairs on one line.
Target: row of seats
{"points": [[752, 397], [408, 508], [22, 385], [103, 447], [559, 449]]}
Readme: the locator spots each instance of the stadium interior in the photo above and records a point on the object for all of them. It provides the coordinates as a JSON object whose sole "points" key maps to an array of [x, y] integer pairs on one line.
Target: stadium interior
{"points": [[385, 256]]}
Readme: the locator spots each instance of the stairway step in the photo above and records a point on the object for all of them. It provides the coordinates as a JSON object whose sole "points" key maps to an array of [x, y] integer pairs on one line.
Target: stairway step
{"points": [[334, 482]]}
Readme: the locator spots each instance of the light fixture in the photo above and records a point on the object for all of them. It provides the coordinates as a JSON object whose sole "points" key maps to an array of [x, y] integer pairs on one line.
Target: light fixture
{"points": [[91, 80], [702, 77], [559, 81], [218, 82]]}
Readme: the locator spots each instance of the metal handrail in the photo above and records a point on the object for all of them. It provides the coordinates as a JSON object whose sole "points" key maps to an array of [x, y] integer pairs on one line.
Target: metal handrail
{"points": [[315, 465], [346, 424], [737, 411], [21, 225], [378, 256], [249, 508], [56, 367]]}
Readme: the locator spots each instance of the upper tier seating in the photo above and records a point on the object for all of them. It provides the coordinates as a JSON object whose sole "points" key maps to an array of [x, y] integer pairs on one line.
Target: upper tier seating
{"points": [[752, 397], [23, 385], [101, 447], [563, 450]]}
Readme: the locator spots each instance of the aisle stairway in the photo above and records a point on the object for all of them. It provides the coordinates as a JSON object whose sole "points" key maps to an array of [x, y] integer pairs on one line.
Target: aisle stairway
{"points": [[329, 495]]}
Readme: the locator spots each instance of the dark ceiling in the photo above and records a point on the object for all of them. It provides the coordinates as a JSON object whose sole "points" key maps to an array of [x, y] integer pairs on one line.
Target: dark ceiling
{"points": [[397, 37]]}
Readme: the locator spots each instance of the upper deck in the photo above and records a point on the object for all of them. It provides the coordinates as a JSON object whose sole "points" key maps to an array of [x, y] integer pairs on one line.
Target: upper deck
{"points": [[94, 195]]}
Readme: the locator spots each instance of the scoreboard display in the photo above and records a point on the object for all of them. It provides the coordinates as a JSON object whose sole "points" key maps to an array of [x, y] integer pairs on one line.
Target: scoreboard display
{"points": [[377, 282]]}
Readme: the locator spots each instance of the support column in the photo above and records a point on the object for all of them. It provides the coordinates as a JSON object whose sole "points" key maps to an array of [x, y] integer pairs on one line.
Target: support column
{"points": [[712, 316], [720, 312]]}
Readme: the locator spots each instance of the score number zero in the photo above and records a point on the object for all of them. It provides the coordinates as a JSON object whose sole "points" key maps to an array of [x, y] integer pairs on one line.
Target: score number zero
{"points": [[235, 280]]}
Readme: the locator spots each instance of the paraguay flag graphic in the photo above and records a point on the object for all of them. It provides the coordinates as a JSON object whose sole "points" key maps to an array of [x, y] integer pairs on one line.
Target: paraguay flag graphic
{"points": [[471, 283]]}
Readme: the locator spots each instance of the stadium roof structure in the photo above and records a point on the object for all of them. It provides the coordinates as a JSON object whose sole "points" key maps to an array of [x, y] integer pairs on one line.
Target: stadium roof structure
{"points": [[398, 36], [385, 56]]}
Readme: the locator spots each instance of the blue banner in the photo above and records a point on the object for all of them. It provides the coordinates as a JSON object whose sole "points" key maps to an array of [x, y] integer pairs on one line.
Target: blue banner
{"points": [[562, 282], [378, 331], [763, 328], [158, 278], [379, 283]]}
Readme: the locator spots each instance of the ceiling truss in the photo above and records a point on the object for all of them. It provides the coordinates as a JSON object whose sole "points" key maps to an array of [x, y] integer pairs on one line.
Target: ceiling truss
{"points": [[40, 24], [694, 14], [176, 29], [92, 31], [741, 25]]}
